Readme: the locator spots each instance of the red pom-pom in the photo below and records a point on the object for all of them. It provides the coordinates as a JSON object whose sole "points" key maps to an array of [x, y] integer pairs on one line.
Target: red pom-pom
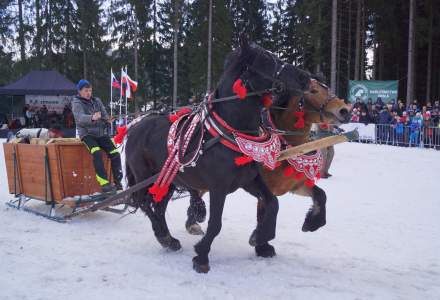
{"points": [[318, 175], [121, 133], [267, 100], [309, 183], [289, 171], [173, 118], [158, 192], [243, 160], [299, 176], [300, 119], [323, 126], [239, 89]]}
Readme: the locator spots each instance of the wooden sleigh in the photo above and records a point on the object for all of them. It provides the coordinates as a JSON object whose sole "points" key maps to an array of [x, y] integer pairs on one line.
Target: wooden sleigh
{"points": [[58, 172]]}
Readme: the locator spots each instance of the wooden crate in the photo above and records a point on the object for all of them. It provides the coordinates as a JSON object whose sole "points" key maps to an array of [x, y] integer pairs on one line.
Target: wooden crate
{"points": [[69, 170]]}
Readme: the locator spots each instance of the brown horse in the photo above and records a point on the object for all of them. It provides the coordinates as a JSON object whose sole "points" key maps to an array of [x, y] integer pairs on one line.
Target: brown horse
{"points": [[319, 106]]}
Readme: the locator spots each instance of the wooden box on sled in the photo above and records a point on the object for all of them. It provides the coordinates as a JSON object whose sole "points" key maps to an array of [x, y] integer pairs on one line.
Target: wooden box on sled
{"points": [[51, 171]]}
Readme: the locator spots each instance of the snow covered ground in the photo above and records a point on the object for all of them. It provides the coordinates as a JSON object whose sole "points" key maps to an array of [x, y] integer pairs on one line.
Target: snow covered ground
{"points": [[381, 241]]}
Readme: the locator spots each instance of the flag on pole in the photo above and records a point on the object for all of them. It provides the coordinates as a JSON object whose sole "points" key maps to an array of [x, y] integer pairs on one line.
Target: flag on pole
{"points": [[130, 84], [115, 82]]}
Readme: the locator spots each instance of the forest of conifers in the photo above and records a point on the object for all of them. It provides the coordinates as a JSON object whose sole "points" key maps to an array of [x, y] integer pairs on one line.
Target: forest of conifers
{"points": [[85, 38]]}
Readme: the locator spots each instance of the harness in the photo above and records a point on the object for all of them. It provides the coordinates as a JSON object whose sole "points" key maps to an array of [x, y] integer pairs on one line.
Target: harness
{"points": [[263, 148]]}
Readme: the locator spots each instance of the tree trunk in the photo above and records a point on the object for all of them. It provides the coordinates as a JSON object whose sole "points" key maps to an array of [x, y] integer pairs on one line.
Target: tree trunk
{"points": [[349, 42], [333, 51], [136, 65], [154, 53], [339, 45], [208, 84], [363, 37], [21, 32], [358, 41], [318, 43], [176, 43], [38, 32], [429, 64], [411, 40]]}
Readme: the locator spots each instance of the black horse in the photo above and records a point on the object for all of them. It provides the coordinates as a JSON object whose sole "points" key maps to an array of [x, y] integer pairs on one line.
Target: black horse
{"points": [[215, 171]]}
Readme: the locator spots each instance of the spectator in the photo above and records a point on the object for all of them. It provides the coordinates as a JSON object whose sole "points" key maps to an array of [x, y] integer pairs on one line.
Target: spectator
{"points": [[25, 115], [429, 105], [364, 118], [355, 116], [400, 108], [415, 127], [427, 128]]}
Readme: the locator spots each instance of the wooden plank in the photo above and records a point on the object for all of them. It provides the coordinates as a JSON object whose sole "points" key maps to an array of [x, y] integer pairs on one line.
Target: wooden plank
{"points": [[32, 170], [8, 151], [77, 170], [318, 144]]}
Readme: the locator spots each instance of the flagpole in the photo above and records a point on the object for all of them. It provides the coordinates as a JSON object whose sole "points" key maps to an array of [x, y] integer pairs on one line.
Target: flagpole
{"points": [[126, 106], [120, 98], [111, 100]]}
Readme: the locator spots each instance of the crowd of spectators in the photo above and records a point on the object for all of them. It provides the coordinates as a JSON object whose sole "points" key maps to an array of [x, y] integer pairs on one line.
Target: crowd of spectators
{"points": [[412, 125], [39, 117]]}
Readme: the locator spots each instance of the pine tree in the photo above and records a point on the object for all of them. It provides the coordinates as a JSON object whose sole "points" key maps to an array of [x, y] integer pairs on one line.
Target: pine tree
{"points": [[6, 20], [252, 18], [197, 38]]}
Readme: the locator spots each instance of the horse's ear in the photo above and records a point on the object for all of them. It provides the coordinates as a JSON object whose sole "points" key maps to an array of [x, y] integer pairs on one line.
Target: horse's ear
{"points": [[304, 80]]}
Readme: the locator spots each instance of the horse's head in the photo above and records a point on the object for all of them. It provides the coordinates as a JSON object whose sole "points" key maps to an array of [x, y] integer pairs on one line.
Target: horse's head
{"points": [[322, 106], [260, 70], [250, 73]]}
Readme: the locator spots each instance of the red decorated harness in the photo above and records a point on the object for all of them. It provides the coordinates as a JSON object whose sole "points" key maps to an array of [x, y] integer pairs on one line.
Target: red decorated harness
{"points": [[264, 148], [305, 165]]}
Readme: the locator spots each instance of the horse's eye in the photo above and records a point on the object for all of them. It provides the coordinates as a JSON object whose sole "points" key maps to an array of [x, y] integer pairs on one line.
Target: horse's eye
{"points": [[314, 91]]}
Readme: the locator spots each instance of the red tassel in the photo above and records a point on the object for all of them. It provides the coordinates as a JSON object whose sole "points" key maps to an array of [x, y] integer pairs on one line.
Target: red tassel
{"points": [[158, 192], [318, 175], [243, 160], [121, 133], [309, 183], [299, 176], [239, 89], [300, 122], [267, 100], [289, 171]]}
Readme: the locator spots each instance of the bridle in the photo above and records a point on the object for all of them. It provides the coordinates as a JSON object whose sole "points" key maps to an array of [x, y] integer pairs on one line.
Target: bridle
{"points": [[313, 107]]}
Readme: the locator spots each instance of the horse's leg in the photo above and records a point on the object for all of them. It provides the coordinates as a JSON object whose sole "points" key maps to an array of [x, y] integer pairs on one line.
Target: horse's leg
{"points": [[196, 213], [202, 248], [156, 216], [159, 209], [266, 225], [316, 216]]}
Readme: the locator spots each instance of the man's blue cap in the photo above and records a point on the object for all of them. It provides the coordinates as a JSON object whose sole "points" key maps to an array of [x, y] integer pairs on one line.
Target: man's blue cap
{"points": [[82, 83]]}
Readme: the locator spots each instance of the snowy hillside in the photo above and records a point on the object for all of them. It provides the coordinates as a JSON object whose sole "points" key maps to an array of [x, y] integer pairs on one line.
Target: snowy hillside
{"points": [[381, 241]]}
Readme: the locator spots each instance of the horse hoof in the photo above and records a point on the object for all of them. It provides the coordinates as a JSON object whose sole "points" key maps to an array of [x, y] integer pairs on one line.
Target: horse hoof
{"points": [[200, 267], [194, 229], [265, 250], [313, 223], [253, 238], [169, 243]]}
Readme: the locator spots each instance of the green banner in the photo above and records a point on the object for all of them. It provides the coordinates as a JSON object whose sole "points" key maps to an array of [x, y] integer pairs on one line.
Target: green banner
{"points": [[385, 89]]}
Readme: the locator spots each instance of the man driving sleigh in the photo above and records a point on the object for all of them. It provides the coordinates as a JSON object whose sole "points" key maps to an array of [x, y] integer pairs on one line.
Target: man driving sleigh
{"points": [[92, 123]]}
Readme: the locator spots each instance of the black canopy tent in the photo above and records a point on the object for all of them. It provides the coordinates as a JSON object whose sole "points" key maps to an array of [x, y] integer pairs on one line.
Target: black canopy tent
{"points": [[48, 83], [43, 83]]}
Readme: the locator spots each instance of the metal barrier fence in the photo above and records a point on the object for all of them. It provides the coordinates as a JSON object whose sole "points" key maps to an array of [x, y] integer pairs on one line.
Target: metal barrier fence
{"points": [[407, 136]]}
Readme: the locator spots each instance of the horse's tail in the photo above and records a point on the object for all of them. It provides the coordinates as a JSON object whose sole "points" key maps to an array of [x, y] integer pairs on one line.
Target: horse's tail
{"points": [[127, 174]]}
